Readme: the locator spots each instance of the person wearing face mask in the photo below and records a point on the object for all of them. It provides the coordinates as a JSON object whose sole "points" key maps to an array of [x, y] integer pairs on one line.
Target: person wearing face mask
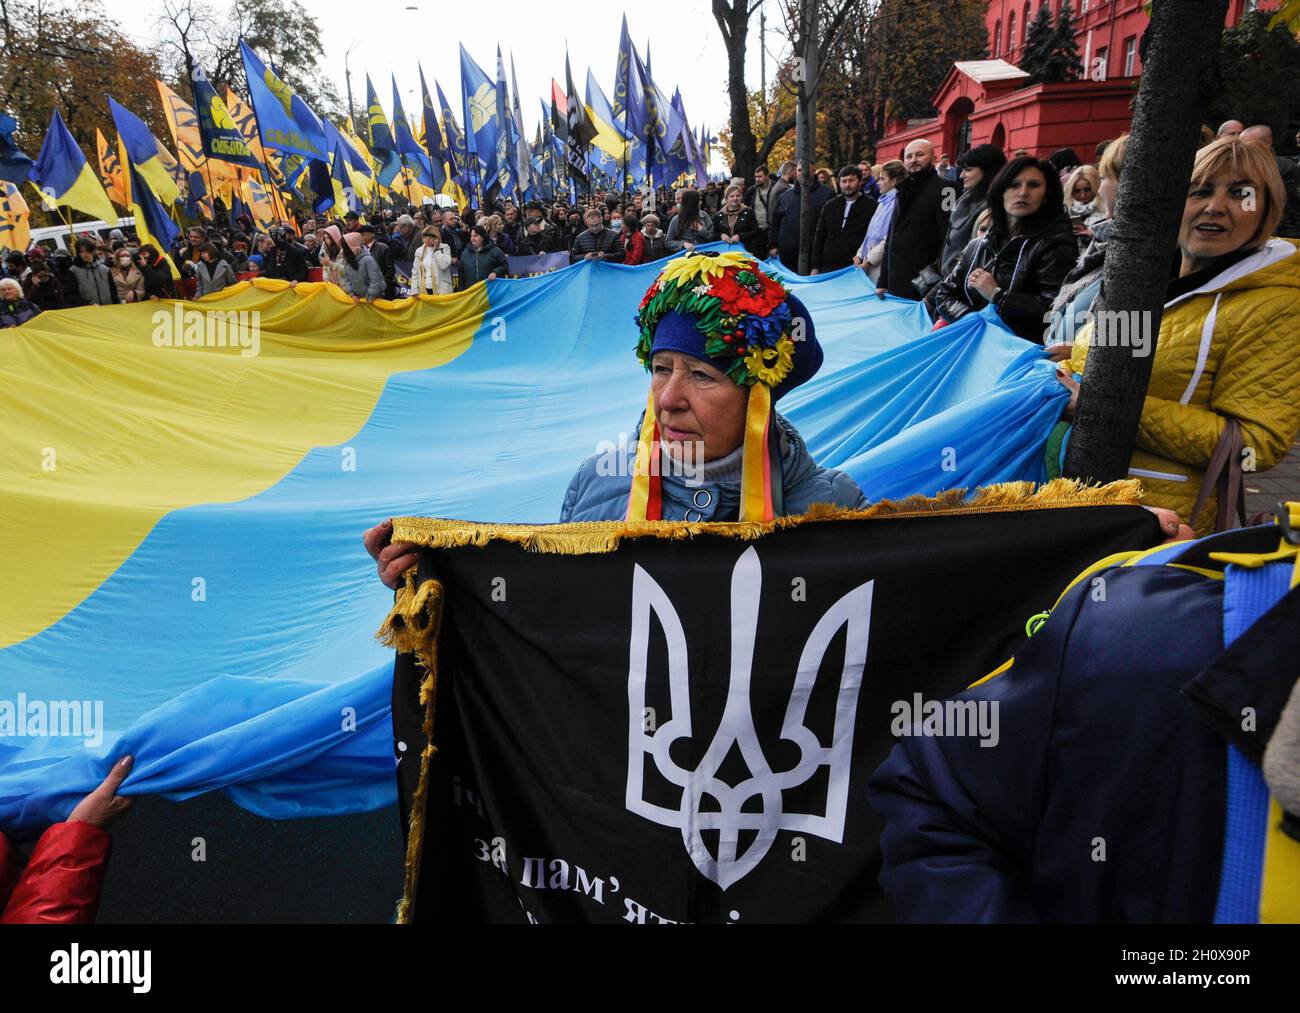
{"points": [[1227, 335], [1020, 264], [127, 278]]}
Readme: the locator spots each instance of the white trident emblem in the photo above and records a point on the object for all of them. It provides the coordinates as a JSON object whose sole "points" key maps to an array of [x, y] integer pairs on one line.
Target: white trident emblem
{"points": [[852, 613]]}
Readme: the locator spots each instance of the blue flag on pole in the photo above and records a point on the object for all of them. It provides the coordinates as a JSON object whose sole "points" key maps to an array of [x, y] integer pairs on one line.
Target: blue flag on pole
{"points": [[457, 152], [15, 165], [221, 136], [433, 143], [285, 121], [413, 156], [481, 128]]}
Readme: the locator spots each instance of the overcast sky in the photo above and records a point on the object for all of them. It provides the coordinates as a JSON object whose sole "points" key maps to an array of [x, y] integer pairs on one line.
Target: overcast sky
{"points": [[685, 43]]}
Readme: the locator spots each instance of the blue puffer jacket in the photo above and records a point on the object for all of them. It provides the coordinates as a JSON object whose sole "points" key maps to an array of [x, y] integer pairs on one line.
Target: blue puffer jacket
{"points": [[1113, 724], [595, 495]]}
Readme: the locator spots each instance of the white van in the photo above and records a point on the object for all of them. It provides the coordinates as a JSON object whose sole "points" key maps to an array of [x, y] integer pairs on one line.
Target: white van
{"points": [[55, 237]]}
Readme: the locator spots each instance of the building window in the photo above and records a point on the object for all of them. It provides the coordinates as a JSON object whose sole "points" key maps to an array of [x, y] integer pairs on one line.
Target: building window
{"points": [[1083, 7], [997, 38], [1130, 55], [1011, 33], [1099, 61], [1024, 22]]}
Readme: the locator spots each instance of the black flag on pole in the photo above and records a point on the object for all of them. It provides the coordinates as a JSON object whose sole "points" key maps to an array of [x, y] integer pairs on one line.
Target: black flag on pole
{"points": [[650, 729], [580, 132]]}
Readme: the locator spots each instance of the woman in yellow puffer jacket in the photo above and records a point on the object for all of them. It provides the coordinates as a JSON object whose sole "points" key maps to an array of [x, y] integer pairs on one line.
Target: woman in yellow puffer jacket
{"points": [[1229, 335]]}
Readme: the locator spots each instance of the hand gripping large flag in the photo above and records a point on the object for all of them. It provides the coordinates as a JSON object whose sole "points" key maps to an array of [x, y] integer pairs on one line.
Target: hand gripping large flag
{"points": [[188, 553], [479, 96], [222, 138], [15, 164], [434, 146], [151, 160], [63, 176], [653, 745], [152, 224], [110, 168], [15, 231], [284, 120]]}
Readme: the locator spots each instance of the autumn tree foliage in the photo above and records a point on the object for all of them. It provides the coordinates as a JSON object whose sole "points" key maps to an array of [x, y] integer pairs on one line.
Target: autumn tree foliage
{"points": [[70, 56], [887, 64]]}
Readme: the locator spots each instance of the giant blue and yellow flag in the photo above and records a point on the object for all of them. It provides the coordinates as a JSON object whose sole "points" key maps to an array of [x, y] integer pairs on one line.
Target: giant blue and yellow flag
{"points": [[63, 176], [193, 537], [285, 121], [151, 160]]}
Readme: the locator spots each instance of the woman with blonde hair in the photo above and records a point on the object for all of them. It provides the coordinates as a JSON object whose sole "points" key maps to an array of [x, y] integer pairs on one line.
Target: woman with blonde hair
{"points": [[431, 266], [1223, 359], [1082, 201], [499, 236]]}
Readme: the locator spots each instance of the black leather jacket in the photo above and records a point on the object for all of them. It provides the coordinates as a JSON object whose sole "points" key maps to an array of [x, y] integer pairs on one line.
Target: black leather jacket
{"points": [[1029, 269], [961, 225]]}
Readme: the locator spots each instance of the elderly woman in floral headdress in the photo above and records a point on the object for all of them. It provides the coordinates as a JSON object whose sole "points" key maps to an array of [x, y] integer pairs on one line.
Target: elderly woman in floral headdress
{"points": [[723, 341]]}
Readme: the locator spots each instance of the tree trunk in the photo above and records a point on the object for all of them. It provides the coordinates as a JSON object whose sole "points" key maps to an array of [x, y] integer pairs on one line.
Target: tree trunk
{"points": [[733, 19], [807, 128], [1182, 49]]}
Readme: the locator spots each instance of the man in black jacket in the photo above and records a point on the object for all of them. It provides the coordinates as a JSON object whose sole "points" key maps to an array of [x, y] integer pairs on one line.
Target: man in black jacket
{"points": [[383, 257], [598, 242], [287, 260], [920, 223], [843, 224]]}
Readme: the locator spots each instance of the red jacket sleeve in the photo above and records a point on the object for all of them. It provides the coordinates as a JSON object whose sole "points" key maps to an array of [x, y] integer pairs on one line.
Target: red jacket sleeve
{"points": [[63, 878]]}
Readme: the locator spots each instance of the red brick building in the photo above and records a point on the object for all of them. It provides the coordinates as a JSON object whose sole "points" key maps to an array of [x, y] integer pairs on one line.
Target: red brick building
{"points": [[987, 101]]}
